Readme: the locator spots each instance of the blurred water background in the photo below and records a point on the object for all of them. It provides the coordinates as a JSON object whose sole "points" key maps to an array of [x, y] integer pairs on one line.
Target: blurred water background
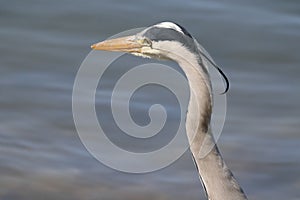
{"points": [[43, 44]]}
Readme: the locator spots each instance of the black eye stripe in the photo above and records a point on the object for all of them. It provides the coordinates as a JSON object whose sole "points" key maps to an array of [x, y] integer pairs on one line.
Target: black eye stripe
{"points": [[158, 33], [183, 30]]}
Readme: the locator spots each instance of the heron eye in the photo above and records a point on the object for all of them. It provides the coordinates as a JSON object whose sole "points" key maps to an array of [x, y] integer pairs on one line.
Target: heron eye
{"points": [[147, 42]]}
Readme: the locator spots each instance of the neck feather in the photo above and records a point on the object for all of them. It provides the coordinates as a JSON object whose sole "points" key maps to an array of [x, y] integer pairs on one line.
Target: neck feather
{"points": [[217, 179]]}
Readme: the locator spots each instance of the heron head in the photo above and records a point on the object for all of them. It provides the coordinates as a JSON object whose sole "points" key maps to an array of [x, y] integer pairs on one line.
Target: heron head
{"points": [[165, 40]]}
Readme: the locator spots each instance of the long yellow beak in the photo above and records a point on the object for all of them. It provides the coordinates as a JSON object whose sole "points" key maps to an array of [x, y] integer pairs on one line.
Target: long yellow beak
{"points": [[123, 44]]}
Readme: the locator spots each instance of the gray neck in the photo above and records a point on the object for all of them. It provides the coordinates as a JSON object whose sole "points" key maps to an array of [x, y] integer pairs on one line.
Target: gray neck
{"points": [[217, 179]]}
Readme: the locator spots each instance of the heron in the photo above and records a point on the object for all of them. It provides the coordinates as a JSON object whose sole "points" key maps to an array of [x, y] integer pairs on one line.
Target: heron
{"points": [[171, 41]]}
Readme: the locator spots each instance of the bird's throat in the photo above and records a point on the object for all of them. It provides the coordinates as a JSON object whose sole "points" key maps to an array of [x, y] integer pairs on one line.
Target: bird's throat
{"points": [[217, 179]]}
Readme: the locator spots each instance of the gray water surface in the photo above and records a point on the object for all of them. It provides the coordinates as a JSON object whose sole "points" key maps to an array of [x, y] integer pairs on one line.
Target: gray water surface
{"points": [[43, 44]]}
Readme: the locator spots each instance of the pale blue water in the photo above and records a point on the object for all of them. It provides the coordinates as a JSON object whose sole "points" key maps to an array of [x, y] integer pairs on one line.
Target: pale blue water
{"points": [[43, 44]]}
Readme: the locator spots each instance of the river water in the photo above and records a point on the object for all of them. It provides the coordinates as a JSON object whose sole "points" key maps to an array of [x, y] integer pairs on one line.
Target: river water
{"points": [[43, 44]]}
